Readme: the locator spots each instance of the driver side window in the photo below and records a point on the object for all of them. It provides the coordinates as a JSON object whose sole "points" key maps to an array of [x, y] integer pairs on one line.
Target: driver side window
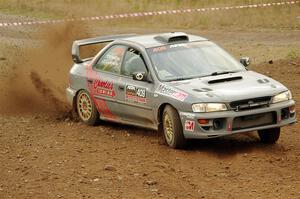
{"points": [[111, 61], [133, 62]]}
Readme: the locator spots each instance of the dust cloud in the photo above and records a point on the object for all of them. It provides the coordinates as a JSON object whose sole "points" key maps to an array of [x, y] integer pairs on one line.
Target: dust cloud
{"points": [[39, 75]]}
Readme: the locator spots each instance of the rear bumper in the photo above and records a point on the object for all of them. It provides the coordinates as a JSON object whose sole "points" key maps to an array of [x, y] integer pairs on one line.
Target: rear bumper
{"points": [[236, 122], [70, 93]]}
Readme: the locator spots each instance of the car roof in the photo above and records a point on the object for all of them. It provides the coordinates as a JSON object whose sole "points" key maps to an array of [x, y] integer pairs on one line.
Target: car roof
{"points": [[156, 40]]}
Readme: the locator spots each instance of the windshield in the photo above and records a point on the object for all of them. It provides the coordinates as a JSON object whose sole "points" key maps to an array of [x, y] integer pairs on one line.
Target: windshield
{"points": [[191, 60]]}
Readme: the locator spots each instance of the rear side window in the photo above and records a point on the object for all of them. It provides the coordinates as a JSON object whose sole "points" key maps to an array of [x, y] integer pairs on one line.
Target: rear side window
{"points": [[111, 61]]}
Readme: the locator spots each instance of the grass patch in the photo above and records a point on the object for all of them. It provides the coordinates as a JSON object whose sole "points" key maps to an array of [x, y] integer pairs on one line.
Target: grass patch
{"points": [[292, 54], [275, 17]]}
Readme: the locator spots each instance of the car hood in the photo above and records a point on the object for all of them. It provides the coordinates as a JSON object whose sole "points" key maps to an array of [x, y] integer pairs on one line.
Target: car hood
{"points": [[229, 87]]}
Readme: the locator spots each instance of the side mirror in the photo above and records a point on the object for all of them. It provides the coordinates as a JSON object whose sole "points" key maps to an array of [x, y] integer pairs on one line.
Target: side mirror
{"points": [[245, 61], [140, 76]]}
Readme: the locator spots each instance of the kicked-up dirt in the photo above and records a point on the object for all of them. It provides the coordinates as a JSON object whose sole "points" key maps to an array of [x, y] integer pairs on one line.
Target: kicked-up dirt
{"points": [[46, 154]]}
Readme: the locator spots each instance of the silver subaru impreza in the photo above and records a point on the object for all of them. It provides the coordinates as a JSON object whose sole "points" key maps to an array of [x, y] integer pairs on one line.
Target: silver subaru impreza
{"points": [[183, 85]]}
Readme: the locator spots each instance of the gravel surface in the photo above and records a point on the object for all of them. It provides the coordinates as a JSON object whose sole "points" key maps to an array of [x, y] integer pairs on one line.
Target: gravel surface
{"points": [[46, 154]]}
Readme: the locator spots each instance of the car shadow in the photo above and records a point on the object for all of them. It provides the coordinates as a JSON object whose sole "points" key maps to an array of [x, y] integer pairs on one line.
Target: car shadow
{"points": [[222, 147], [138, 131], [229, 146]]}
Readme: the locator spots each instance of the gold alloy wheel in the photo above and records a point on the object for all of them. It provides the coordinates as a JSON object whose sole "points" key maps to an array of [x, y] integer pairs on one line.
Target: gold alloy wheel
{"points": [[84, 106], [168, 128]]}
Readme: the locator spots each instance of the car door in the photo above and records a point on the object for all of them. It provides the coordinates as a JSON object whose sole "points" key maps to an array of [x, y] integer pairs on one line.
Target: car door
{"points": [[104, 82], [135, 97]]}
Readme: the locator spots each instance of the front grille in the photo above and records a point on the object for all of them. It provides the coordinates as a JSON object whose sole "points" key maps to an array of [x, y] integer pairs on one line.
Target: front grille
{"points": [[253, 103], [251, 121]]}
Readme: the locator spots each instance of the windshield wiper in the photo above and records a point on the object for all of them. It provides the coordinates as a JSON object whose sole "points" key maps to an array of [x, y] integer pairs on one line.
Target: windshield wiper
{"points": [[193, 77], [180, 79]]}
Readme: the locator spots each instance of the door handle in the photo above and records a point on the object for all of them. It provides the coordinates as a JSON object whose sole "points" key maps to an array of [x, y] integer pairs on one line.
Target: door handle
{"points": [[122, 87], [90, 81]]}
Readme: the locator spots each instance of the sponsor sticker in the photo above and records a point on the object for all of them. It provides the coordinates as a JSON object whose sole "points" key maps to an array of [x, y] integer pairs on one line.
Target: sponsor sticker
{"points": [[104, 88], [189, 125], [135, 94], [229, 128], [188, 115], [171, 92], [159, 49], [177, 45]]}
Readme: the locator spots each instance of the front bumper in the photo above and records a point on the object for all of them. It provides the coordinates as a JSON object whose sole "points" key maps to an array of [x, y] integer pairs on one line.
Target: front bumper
{"points": [[236, 121]]}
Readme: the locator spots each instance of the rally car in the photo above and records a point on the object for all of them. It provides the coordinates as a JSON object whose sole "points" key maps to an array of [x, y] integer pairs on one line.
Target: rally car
{"points": [[182, 85]]}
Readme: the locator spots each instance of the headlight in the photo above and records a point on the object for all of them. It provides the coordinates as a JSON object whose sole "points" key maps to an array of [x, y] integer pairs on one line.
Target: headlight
{"points": [[287, 95], [208, 107]]}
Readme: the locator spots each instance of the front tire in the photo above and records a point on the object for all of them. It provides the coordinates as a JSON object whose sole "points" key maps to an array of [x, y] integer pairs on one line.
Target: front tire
{"points": [[86, 109], [269, 136], [172, 128]]}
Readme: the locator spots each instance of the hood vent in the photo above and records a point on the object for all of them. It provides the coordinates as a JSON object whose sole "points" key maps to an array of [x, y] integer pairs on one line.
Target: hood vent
{"points": [[215, 81], [263, 81], [172, 37]]}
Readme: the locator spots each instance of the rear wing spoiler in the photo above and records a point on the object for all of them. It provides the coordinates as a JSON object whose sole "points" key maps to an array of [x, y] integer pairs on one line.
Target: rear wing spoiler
{"points": [[97, 40]]}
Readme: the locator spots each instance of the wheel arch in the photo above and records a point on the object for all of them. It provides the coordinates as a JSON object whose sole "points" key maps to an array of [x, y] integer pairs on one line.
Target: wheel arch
{"points": [[161, 110]]}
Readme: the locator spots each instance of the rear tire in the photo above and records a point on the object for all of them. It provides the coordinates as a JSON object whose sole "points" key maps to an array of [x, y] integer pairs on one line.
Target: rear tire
{"points": [[172, 128], [269, 136], [86, 109]]}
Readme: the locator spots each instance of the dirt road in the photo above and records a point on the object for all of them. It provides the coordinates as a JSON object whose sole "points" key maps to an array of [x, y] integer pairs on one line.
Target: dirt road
{"points": [[45, 154]]}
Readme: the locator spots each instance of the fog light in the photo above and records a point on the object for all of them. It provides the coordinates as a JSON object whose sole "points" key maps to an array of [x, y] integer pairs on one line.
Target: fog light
{"points": [[203, 121], [285, 114], [217, 124]]}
